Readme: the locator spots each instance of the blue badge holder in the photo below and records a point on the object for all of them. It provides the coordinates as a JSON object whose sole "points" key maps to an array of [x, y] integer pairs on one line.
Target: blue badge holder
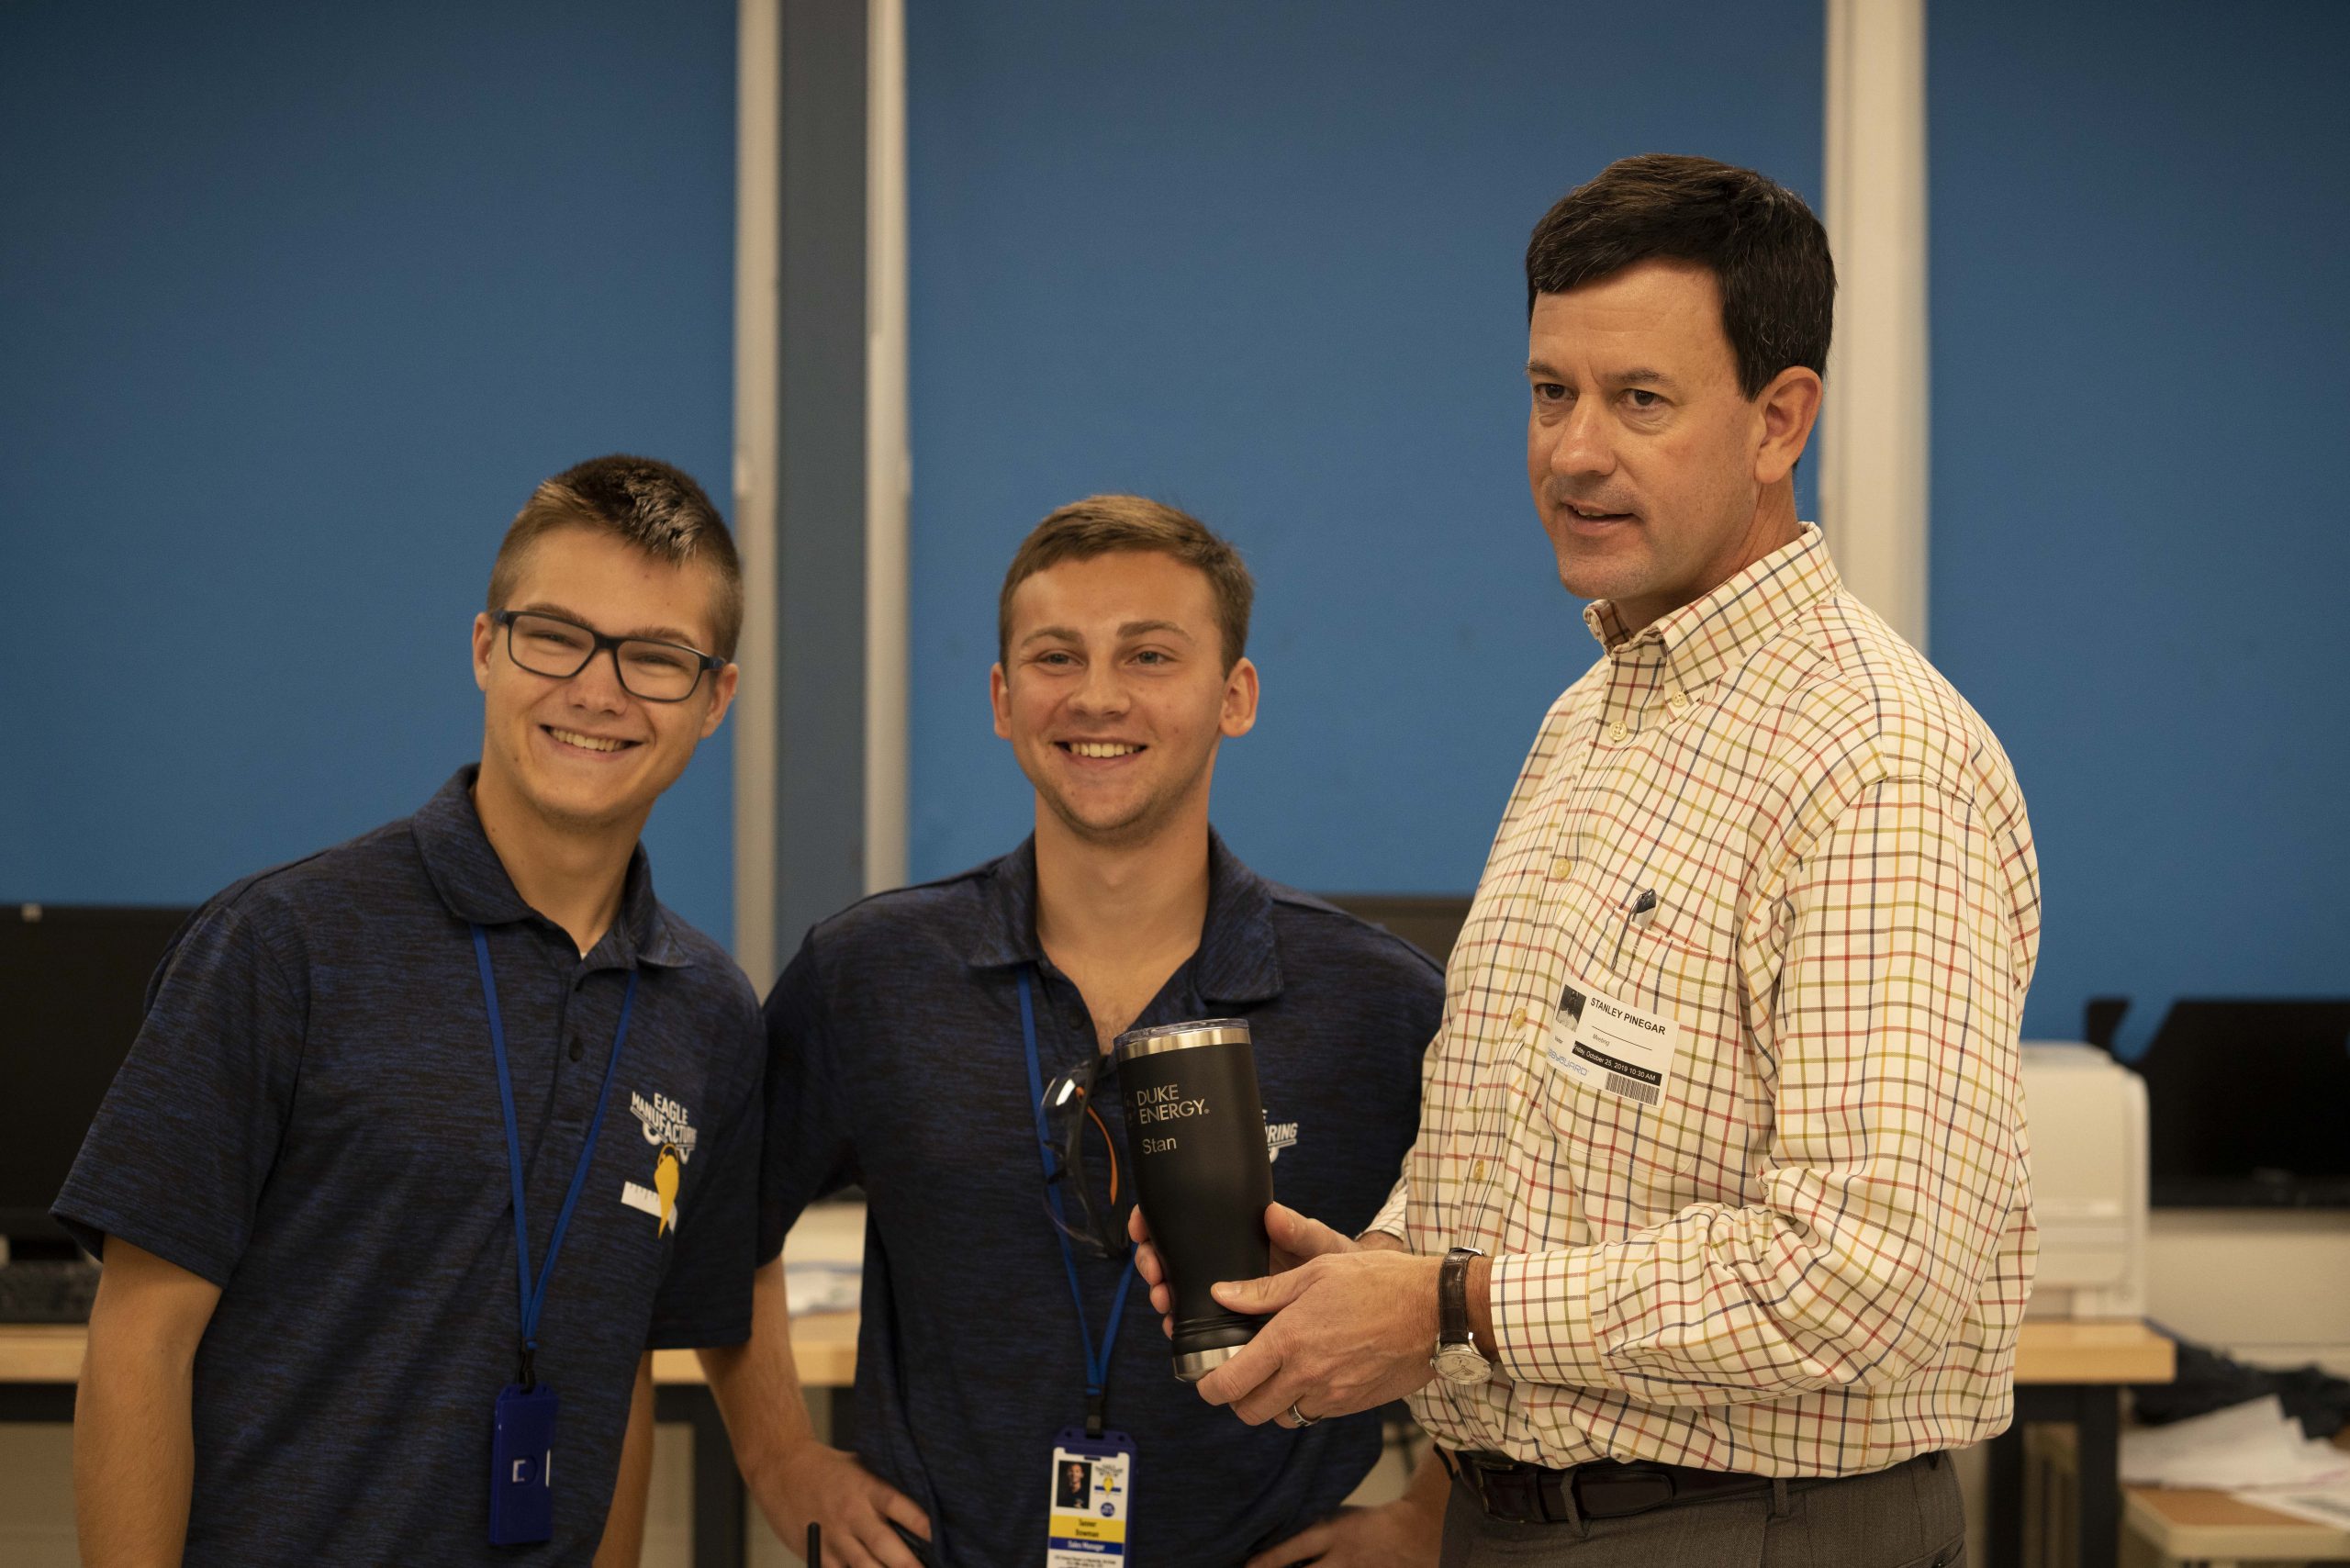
{"points": [[521, 1467]]}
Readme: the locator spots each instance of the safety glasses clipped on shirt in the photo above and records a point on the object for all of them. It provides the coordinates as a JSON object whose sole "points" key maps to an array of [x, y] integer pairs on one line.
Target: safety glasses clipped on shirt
{"points": [[1095, 1219]]}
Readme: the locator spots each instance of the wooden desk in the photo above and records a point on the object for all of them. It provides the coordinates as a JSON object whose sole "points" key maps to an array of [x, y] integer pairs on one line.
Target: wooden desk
{"points": [[2217, 1530], [2073, 1372]]}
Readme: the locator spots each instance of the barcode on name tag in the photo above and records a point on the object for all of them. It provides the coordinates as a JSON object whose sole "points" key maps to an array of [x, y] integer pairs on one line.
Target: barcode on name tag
{"points": [[1632, 1087]]}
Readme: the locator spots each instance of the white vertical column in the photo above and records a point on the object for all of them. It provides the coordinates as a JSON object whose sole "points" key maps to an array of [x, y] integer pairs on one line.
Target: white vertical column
{"points": [[1873, 469], [887, 458], [758, 265]]}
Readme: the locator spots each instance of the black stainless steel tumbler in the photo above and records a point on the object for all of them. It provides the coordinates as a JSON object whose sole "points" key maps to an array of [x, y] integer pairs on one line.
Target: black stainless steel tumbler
{"points": [[1195, 1138]]}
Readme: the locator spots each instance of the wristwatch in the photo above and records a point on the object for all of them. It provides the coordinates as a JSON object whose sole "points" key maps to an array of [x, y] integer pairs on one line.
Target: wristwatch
{"points": [[1457, 1357]]}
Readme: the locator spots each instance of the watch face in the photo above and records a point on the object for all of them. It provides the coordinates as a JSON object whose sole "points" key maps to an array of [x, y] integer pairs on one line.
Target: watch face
{"points": [[1462, 1363]]}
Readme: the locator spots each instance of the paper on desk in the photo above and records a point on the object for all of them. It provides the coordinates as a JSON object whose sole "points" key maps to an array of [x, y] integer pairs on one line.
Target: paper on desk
{"points": [[2251, 1444], [821, 1286], [2322, 1504]]}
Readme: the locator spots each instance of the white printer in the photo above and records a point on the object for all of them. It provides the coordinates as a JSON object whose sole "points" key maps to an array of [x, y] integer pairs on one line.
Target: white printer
{"points": [[2085, 1115]]}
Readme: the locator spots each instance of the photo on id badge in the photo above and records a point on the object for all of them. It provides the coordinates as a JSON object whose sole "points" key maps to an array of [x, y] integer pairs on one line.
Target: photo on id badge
{"points": [[1611, 1047], [1090, 1490]]}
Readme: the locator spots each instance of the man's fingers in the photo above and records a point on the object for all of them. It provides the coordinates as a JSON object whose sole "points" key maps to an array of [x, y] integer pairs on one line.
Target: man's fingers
{"points": [[906, 1511], [1234, 1381], [1260, 1298], [1302, 1237], [888, 1550], [1271, 1400], [865, 1539], [1303, 1547]]}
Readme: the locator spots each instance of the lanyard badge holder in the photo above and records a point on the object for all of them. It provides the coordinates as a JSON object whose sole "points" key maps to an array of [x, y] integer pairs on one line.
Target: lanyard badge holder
{"points": [[522, 1462], [1089, 1499]]}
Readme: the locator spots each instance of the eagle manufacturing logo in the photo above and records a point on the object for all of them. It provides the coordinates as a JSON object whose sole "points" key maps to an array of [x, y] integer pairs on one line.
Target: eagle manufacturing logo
{"points": [[672, 1136], [664, 1122], [1278, 1135]]}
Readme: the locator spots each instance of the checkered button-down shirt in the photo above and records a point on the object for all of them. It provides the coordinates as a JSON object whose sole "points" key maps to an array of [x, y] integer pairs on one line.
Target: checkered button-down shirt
{"points": [[1766, 819]]}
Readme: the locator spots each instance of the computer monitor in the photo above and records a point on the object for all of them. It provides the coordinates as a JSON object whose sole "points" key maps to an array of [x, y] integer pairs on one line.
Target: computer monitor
{"points": [[73, 991], [2248, 1104]]}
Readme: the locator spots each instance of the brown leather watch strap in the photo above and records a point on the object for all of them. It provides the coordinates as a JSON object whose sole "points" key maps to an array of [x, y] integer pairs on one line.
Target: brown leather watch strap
{"points": [[1452, 1297]]}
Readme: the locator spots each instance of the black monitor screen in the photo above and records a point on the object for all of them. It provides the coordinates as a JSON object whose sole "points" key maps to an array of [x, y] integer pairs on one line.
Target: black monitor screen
{"points": [[73, 989], [2248, 1103]]}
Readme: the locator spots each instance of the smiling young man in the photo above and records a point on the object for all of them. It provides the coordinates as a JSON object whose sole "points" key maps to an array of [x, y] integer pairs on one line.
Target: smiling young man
{"points": [[1716, 1232], [917, 1034], [361, 1074]]}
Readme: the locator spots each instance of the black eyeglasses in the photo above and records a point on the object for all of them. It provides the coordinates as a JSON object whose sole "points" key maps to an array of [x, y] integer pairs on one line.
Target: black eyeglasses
{"points": [[1096, 1224], [550, 646]]}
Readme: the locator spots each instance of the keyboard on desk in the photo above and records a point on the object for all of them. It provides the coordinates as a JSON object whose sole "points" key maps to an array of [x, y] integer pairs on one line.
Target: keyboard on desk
{"points": [[39, 1291]]}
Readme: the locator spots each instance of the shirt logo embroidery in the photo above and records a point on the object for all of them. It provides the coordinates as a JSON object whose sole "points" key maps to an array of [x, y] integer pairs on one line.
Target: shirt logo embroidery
{"points": [[1278, 1135], [664, 1121]]}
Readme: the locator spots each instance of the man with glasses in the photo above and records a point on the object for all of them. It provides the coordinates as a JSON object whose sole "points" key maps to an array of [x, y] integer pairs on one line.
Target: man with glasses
{"points": [[944, 1047], [428, 1140]]}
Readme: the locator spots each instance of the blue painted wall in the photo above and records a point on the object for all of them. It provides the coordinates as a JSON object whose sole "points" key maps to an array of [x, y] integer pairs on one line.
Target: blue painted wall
{"points": [[2141, 540], [1266, 262], [296, 303]]}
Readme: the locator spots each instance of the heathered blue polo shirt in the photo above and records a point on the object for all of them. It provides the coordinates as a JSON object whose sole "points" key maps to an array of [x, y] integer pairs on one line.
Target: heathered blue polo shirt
{"points": [[309, 1119], [895, 1063]]}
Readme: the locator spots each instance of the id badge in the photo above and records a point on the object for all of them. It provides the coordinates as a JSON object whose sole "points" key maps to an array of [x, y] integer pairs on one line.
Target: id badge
{"points": [[1089, 1499], [1612, 1046], [521, 1467]]}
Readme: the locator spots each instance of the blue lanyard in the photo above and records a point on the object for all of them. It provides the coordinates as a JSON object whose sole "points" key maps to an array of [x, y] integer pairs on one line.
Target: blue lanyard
{"points": [[1097, 1362], [532, 1300]]}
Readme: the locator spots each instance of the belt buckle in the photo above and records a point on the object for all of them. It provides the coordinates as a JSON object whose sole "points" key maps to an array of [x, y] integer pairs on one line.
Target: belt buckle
{"points": [[1479, 1468]]}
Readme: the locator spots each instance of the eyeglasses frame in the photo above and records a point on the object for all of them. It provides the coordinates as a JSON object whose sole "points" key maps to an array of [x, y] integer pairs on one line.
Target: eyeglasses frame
{"points": [[703, 663]]}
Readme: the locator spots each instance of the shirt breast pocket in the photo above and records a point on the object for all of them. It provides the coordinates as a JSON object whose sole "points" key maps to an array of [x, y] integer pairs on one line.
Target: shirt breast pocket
{"points": [[1632, 1080]]}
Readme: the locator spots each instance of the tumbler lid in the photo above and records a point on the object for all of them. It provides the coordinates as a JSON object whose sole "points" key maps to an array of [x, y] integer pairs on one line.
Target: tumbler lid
{"points": [[1181, 1037]]}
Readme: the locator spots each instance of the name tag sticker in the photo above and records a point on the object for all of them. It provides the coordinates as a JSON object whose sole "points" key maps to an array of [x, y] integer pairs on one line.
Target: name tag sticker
{"points": [[1088, 1500], [1611, 1047]]}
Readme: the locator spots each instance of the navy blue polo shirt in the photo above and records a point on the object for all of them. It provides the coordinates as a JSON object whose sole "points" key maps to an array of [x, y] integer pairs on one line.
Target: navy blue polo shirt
{"points": [[895, 1063], [309, 1119]]}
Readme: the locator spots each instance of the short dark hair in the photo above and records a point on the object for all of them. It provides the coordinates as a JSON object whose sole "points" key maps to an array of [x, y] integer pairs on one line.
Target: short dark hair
{"points": [[1767, 251], [657, 508], [1104, 525]]}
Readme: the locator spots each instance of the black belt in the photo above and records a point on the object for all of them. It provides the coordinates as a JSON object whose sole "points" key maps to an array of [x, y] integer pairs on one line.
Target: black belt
{"points": [[1518, 1493]]}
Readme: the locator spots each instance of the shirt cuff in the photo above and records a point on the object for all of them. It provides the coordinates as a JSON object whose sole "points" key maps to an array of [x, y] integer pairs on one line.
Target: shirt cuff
{"points": [[1545, 1307], [1390, 1217]]}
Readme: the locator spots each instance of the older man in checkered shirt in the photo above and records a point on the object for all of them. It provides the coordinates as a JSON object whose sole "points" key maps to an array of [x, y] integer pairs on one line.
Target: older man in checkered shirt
{"points": [[1716, 1232]]}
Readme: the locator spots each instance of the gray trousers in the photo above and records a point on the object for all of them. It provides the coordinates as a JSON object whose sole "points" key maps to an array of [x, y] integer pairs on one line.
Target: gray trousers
{"points": [[1907, 1517]]}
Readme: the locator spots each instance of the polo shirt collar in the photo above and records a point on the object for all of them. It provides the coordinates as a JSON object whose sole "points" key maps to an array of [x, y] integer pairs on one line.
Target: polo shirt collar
{"points": [[472, 881], [1702, 641], [1238, 958]]}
